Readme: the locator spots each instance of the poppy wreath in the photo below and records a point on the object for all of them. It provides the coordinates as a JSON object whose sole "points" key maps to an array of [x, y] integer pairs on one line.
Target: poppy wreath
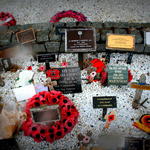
{"points": [[145, 120], [99, 73], [57, 130], [7, 19], [70, 14]]}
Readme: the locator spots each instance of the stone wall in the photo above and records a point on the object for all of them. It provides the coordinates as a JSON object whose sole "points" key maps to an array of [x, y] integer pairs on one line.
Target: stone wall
{"points": [[48, 39]]}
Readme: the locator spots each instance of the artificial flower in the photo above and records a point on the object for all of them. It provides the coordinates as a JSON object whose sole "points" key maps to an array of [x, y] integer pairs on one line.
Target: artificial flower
{"points": [[64, 64], [130, 76], [54, 74], [42, 68], [29, 68], [49, 132]]}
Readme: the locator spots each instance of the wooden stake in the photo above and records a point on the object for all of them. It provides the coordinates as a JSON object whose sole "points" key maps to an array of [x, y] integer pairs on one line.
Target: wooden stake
{"points": [[138, 93]]}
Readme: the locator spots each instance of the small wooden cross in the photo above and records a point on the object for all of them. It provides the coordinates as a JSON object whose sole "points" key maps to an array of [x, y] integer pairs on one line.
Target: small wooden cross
{"points": [[2, 83], [139, 90]]}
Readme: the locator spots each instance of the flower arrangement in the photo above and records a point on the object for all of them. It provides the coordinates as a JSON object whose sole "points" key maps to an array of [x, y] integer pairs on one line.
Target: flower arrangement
{"points": [[7, 19], [70, 14], [97, 72], [57, 130]]}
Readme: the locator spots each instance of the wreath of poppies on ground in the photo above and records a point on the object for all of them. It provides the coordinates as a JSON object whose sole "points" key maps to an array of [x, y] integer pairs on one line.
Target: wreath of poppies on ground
{"points": [[70, 14], [41, 132], [7, 19]]}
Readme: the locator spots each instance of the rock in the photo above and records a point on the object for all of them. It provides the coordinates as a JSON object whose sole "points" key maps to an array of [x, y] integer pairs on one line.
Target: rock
{"points": [[120, 31], [147, 50], [15, 28], [116, 24], [104, 33], [138, 36], [5, 38], [139, 48], [52, 46], [135, 25], [97, 25], [37, 48], [84, 24], [54, 37], [14, 39], [101, 48], [70, 24], [43, 26], [3, 29], [42, 36], [98, 37]]}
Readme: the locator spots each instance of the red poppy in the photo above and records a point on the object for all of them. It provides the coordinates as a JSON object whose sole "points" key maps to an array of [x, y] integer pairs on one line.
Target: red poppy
{"points": [[64, 64], [29, 68], [54, 74], [130, 76], [98, 64], [42, 68], [49, 132], [111, 118], [104, 77]]}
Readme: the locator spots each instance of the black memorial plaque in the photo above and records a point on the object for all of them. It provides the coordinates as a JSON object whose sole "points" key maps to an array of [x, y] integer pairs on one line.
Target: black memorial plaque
{"points": [[133, 144], [26, 36], [70, 80], [46, 57], [80, 40], [104, 102]]}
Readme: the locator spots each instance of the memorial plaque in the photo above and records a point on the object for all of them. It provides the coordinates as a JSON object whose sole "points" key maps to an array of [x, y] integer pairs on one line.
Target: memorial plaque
{"points": [[46, 57], [26, 36], [70, 80], [133, 144], [117, 75], [45, 114], [104, 102], [120, 42], [80, 40], [147, 38]]}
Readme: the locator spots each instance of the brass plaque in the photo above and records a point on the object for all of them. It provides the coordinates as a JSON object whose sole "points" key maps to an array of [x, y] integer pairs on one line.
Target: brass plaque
{"points": [[80, 40], [26, 36], [120, 42]]}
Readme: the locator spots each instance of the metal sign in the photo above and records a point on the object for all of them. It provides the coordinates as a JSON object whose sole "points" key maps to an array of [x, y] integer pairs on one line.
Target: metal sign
{"points": [[80, 40]]}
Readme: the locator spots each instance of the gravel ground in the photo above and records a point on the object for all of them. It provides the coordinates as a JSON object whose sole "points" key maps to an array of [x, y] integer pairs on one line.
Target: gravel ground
{"points": [[35, 11], [89, 117]]}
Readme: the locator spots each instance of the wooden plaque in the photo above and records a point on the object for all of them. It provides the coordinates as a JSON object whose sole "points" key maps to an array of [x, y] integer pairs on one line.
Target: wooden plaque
{"points": [[120, 42], [26, 36], [80, 40]]}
